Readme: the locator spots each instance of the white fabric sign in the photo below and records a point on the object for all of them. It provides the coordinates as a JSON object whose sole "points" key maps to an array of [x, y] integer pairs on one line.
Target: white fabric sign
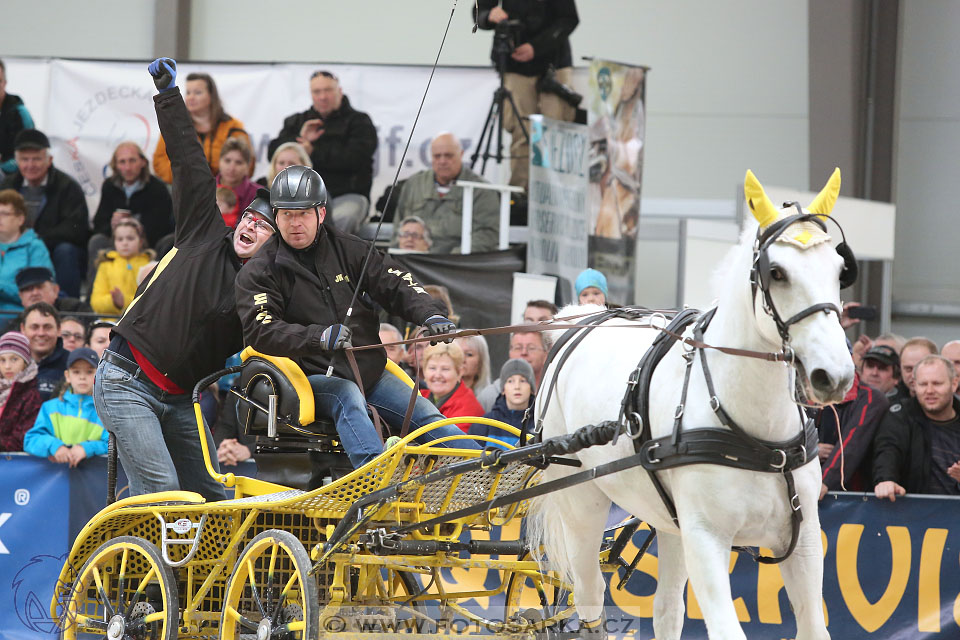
{"points": [[87, 108]]}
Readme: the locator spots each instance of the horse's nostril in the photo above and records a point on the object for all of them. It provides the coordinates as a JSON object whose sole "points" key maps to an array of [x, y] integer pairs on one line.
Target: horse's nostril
{"points": [[820, 380]]}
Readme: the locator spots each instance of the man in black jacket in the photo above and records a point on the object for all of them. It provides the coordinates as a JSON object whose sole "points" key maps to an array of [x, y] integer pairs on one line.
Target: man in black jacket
{"points": [[14, 118], [56, 207], [340, 142], [920, 452], [540, 40], [293, 298], [181, 326]]}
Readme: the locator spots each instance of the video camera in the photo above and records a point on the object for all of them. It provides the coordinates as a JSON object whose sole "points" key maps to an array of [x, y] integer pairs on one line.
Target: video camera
{"points": [[549, 84], [506, 34]]}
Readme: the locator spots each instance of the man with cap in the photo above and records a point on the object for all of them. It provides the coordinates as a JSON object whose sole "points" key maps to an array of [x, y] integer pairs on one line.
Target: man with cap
{"points": [[41, 325], [182, 325], [591, 286], [881, 370], [56, 207], [293, 298], [37, 284]]}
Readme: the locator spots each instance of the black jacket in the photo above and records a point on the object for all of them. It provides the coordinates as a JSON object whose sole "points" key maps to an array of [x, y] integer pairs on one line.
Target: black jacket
{"points": [[546, 25], [184, 317], [64, 216], [860, 416], [285, 306], [902, 449], [13, 120], [151, 205], [343, 155]]}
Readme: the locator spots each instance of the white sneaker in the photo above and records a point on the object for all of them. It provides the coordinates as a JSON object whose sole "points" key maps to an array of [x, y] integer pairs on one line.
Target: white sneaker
{"points": [[391, 442]]}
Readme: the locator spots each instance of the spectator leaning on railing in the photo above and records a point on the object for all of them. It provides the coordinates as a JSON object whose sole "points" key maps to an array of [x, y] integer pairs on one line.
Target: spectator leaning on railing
{"points": [[19, 399], [41, 325]]}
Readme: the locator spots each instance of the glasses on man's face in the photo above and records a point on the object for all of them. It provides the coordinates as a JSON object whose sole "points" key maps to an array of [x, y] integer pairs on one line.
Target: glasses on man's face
{"points": [[526, 349], [66, 335], [410, 234], [258, 223]]}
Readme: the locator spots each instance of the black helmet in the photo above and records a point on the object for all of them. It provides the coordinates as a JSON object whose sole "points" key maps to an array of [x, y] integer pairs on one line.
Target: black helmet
{"points": [[261, 207], [298, 187]]}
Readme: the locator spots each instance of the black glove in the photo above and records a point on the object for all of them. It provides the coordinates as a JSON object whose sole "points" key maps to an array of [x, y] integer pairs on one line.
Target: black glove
{"points": [[336, 336], [164, 72], [439, 325]]}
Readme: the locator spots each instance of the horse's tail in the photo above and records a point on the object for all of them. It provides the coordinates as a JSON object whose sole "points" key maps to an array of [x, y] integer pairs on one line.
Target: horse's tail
{"points": [[545, 535]]}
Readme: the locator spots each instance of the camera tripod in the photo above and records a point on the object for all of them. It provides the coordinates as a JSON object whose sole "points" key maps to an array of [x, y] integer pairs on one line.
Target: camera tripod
{"points": [[494, 126]]}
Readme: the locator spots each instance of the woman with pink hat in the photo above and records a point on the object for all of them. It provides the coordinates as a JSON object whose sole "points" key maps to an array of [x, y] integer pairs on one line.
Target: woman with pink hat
{"points": [[19, 398]]}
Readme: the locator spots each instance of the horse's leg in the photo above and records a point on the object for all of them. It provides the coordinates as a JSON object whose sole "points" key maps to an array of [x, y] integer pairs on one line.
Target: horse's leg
{"points": [[707, 556], [668, 607], [585, 508], [803, 570]]}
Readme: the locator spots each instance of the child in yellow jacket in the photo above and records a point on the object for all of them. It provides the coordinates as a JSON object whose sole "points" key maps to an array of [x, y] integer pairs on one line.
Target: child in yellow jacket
{"points": [[116, 282]]}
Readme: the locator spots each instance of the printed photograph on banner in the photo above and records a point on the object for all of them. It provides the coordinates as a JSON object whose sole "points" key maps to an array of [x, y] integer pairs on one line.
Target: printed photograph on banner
{"points": [[616, 117]]}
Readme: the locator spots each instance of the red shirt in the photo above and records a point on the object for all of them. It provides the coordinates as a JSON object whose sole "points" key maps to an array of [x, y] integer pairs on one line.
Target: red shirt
{"points": [[461, 402]]}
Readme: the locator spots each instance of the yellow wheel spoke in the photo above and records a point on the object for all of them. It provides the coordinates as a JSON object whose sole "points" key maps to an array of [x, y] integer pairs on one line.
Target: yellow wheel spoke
{"points": [[289, 584], [96, 578], [154, 617], [123, 563], [253, 584], [297, 625], [233, 613], [273, 559]]}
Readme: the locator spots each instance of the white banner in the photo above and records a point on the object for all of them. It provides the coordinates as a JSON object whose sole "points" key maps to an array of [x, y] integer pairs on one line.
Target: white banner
{"points": [[557, 208], [87, 108]]}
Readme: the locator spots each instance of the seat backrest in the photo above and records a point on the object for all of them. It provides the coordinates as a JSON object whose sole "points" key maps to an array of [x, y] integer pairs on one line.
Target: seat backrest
{"points": [[265, 375]]}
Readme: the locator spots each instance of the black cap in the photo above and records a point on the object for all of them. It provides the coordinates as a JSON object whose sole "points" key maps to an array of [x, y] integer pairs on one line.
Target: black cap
{"points": [[30, 276], [260, 205], [86, 354], [883, 353], [31, 139]]}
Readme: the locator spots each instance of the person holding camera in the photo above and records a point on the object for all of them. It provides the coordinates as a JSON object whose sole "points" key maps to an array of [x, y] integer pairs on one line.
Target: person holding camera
{"points": [[531, 48]]}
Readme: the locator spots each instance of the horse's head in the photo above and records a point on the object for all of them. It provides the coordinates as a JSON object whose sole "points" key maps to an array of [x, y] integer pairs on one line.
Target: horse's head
{"points": [[796, 279]]}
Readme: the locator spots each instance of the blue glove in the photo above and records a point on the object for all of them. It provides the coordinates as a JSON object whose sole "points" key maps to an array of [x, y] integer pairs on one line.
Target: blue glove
{"points": [[164, 72], [336, 336], [439, 325]]}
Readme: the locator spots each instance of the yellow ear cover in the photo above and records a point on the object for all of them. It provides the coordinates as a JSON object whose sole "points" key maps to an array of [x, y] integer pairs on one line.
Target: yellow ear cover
{"points": [[760, 205], [823, 203]]}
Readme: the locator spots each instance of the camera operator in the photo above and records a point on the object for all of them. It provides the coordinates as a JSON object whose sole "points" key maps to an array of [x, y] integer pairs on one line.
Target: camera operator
{"points": [[532, 50]]}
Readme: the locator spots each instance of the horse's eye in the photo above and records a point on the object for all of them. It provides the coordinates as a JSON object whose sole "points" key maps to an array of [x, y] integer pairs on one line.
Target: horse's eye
{"points": [[776, 273]]}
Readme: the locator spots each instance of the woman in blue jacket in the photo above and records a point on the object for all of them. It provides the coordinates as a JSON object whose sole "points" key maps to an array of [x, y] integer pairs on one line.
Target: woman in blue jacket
{"points": [[19, 248]]}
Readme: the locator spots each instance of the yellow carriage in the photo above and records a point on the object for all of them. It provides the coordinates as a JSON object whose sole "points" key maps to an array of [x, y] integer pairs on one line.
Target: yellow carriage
{"points": [[360, 556]]}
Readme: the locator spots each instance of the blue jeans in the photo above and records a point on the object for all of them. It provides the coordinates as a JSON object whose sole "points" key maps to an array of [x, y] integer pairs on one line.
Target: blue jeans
{"points": [[69, 261], [342, 401], [156, 435]]}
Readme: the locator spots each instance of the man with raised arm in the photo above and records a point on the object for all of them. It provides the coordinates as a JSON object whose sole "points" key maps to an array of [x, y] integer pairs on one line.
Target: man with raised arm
{"points": [[182, 325], [293, 299]]}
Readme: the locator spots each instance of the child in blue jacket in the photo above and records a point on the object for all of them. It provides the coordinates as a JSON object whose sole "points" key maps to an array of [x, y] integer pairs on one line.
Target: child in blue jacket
{"points": [[517, 385], [68, 429]]}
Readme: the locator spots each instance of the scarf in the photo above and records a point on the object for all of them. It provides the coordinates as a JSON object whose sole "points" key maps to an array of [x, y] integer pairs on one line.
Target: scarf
{"points": [[6, 386]]}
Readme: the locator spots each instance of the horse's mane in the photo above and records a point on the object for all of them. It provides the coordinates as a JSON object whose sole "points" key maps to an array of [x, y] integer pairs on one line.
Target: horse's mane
{"points": [[731, 271]]}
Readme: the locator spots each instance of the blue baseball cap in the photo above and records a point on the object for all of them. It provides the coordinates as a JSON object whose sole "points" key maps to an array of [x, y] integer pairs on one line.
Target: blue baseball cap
{"points": [[86, 354]]}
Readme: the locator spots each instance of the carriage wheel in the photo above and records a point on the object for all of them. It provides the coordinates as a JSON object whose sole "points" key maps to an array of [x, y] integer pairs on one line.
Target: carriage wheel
{"points": [[269, 594], [124, 590], [535, 603]]}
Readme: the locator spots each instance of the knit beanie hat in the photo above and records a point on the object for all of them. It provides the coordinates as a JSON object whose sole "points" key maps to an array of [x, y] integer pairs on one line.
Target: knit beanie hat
{"points": [[16, 343], [591, 278], [515, 367]]}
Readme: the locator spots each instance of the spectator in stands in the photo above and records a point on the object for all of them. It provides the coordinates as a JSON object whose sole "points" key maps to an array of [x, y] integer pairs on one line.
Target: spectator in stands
{"points": [[539, 311], [591, 286], [441, 293], [286, 155], [213, 124], [68, 429], [914, 350], [432, 196], [860, 414], [389, 333], [41, 325], [14, 118], [516, 396], [98, 336], [131, 191], [73, 333], [445, 388], [413, 235], [475, 371], [415, 357], [19, 399], [184, 324], [531, 346], [881, 370], [19, 248], [951, 351], [920, 452], [56, 207], [115, 285], [891, 339], [341, 142], [227, 203], [542, 42], [36, 284], [236, 158]]}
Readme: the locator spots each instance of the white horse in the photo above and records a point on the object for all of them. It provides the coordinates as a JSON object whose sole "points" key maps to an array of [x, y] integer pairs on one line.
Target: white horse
{"points": [[717, 507]]}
